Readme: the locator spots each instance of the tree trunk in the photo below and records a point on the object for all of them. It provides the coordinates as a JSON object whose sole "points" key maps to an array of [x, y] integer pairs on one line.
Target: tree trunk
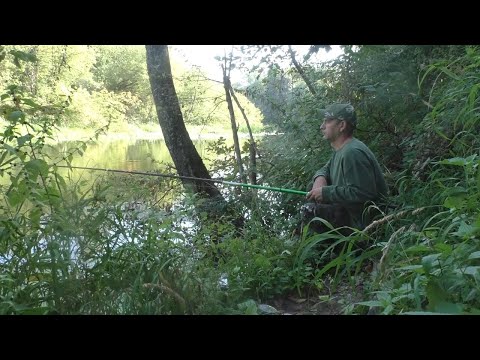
{"points": [[181, 148], [236, 143], [252, 140], [252, 174], [253, 164], [300, 71]]}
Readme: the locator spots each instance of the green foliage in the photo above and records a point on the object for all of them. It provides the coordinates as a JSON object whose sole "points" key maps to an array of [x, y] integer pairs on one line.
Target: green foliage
{"points": [[436, 267], [122, 73], [122, 68], [71, 249], [120, 246], [203, 102], [270, 94], [425, 137], [100, 84]]}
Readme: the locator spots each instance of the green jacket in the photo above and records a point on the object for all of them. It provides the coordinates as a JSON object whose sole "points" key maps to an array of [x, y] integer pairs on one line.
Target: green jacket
{"points": [[354, 177]]}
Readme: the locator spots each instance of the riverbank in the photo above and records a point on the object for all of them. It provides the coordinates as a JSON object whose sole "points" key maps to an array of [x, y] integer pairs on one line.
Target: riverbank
{"points": [[144, 132], [147, 132]]}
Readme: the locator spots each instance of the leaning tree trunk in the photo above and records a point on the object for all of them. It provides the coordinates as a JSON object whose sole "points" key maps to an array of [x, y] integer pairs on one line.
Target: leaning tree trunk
{"points": [[181, 148], [300, 71], [252, 146], [236, 143]]}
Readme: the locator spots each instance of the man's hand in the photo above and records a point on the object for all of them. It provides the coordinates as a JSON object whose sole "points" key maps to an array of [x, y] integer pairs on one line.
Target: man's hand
{"points": [[316, 193]]}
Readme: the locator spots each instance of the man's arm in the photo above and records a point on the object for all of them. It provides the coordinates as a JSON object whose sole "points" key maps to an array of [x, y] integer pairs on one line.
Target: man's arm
{"points": [[359, 179], [320, 179], [323, 172]]}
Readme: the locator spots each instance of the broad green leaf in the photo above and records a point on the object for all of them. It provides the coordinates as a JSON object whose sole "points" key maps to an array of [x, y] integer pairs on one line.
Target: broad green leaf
{"points": [[455, 202], [457, 190], [262, 261], [31, 103], [37, 166], [471, 270], [372, 303], [383, 295], [430, 261], [16, 115], [248, 307], [251, 310], [464, 229], [388, 310], [23, 139], [23, 55], [15, 197], [471, 158], [400, 297], [22, 155], [435, 294], [474, 255], [417, 268], [444, 307], [445, 248], [457, 161]]}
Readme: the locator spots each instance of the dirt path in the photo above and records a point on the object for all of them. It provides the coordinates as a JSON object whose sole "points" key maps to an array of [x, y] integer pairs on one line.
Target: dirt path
{"points": [[319, 303]]}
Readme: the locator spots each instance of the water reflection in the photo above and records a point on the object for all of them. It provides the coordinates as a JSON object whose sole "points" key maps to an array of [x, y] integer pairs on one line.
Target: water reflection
{"points": [[142, 155], [117, 154]]}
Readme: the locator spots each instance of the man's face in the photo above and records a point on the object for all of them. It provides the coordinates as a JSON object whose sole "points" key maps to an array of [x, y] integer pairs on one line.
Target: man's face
{"points": [[330, 129]]}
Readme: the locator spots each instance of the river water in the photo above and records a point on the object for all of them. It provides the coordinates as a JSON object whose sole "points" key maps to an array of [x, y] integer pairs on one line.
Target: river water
{"points": [[125, 154]]}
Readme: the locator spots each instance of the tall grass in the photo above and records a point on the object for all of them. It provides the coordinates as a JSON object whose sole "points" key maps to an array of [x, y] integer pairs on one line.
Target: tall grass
{"points": [[430, 262]]}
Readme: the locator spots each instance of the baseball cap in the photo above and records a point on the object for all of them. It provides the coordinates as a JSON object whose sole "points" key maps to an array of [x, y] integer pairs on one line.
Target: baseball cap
{"points": [[341, 112]]}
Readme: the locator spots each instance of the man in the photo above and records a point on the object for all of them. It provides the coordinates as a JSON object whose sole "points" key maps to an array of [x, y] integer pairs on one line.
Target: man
{"points": [[350, 179]]}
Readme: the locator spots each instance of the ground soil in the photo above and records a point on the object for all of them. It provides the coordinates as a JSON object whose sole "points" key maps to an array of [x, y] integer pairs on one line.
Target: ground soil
{"points": [[330, 300]]}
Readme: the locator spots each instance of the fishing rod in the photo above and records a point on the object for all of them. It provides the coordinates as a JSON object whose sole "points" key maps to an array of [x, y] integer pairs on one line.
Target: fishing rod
{"points": [[288, 191]]}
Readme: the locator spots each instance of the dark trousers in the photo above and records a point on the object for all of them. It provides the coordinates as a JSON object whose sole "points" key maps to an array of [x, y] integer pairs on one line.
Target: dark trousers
{"points": [[335, 214]]}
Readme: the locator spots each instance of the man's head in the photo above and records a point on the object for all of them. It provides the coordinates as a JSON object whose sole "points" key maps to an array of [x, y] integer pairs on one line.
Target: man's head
{"points": [[338, 120], [341, 112]]}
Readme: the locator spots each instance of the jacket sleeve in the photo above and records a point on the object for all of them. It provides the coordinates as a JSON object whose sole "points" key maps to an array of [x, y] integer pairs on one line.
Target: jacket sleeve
{"points": [[324, 171], [359, 183]]}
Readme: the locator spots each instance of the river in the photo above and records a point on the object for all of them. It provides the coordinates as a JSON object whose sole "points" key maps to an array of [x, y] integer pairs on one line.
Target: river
{"points": [[124, 154]]}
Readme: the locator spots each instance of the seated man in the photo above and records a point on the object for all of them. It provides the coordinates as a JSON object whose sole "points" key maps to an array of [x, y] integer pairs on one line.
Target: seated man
{"points": [[351, 178]]}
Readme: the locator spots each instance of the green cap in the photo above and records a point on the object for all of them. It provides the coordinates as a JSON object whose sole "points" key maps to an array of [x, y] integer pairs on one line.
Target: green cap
{"points": [[341, 112]]}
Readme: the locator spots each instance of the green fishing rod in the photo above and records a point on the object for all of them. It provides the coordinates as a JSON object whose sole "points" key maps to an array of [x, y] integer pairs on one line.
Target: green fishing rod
{"points": [[288, 191]]}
